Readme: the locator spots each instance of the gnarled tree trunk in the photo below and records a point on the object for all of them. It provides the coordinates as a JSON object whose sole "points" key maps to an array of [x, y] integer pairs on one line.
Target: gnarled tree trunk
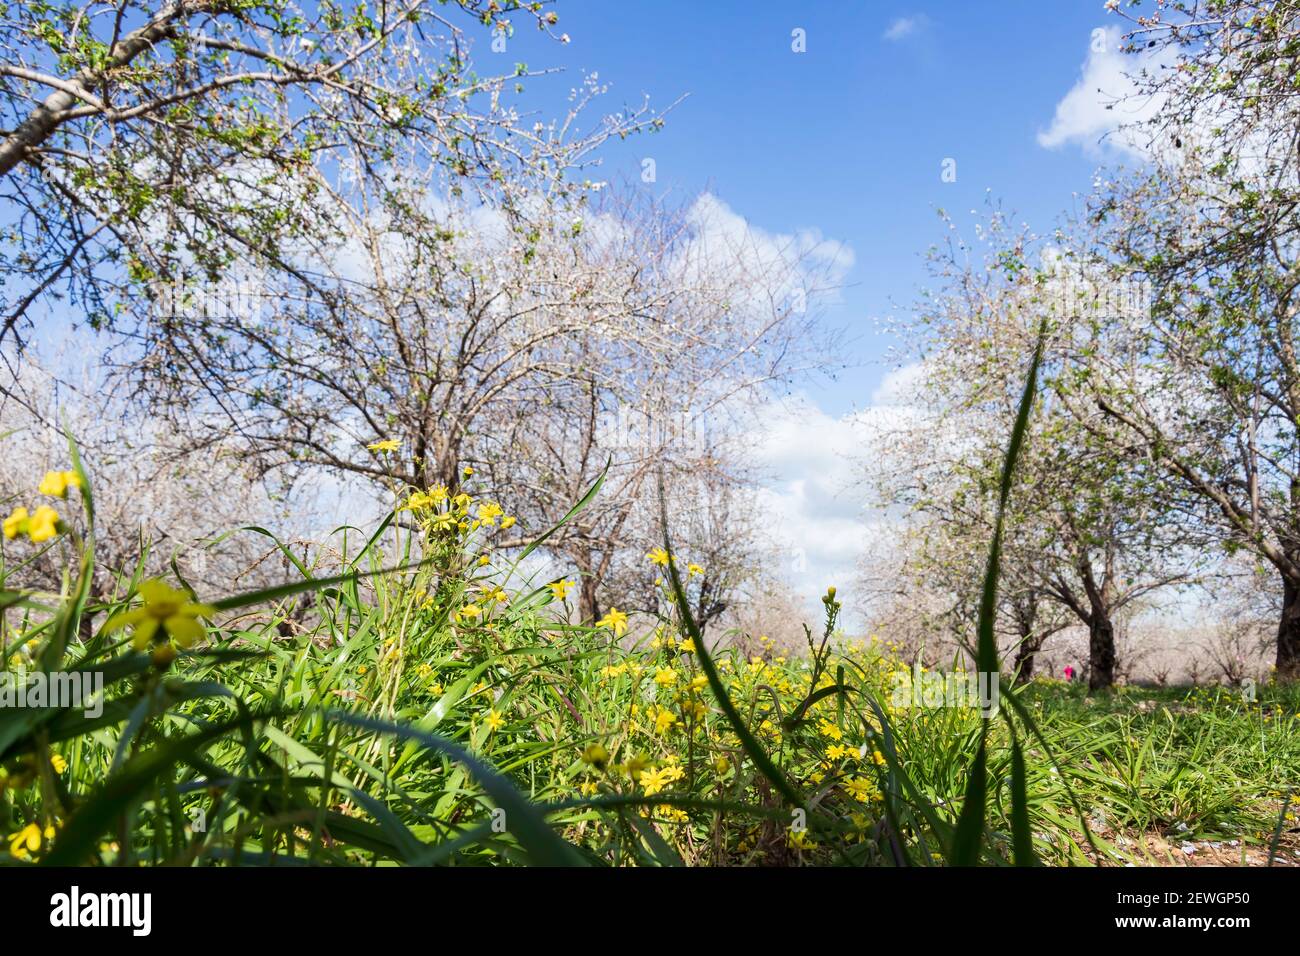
{"points": [[1101, 651], [1288, 633], [1024, 664]]}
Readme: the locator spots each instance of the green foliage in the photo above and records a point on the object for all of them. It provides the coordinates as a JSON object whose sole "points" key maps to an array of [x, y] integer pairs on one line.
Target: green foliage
{"points": [[390, 726]]}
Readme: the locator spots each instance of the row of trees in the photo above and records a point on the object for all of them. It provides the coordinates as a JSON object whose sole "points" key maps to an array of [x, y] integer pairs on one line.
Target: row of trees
{"points": [[308, 231], [1164, 446]]}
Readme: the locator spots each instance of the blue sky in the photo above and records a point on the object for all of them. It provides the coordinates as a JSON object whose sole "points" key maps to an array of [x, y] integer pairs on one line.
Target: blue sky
{"points": [[847, 138], [845, 141]]}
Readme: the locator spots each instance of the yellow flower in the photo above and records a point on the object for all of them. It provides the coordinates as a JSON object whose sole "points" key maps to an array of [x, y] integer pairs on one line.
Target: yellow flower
{"points": [[494, 720], [16, 523], [25, 842], [664, 720], [665, 677], [468, 472], [694, 569], [688, 646], [56, 483], [58, 763], [385, 444], [469, 612], [656, 781], [637, 764], [164, 606], [507, 522], [560, 589], [488, 512], [658, 556], [827, 729], [799, 840], [672, 814], [862, 790], [44, 524], [615, 620], [596, 755]]}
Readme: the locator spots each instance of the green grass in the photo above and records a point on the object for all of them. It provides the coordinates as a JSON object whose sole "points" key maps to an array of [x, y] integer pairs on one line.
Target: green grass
{"points": [[431, 707], [371, 737]]}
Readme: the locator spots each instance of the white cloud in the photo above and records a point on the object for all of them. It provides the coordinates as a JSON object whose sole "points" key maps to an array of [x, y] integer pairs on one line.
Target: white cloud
{"points": [[899, 386], [815, 498], [803, 258], [903, 27], [1101, 110]]}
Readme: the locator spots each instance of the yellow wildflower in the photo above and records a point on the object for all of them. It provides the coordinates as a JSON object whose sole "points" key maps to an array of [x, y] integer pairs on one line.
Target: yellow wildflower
{"points": [[16, 523], [664, 720], [56, 483], [656, 781], [166, 607], [827, 729], [861, 789], [25, 842], [43, 524], [560, 589], [385, 444], [595, 755], [615, 620], [799, 840], [636, 765]]}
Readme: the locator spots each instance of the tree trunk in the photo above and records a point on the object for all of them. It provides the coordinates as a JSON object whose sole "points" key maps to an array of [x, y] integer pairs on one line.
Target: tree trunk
{"points": [[1288, 633], [1024, 665], [588, 609], [1101, 652]]}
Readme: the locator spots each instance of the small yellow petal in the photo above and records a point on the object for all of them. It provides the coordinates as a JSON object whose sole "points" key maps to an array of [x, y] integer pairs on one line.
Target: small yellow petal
{"points": [[124, 619], [144, 632], [184, 630]]}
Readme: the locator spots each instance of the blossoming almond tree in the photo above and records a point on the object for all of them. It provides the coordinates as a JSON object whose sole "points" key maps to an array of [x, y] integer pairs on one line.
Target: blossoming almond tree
{"points": [[1086, 528], [1207, 384], [144, 142]]}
